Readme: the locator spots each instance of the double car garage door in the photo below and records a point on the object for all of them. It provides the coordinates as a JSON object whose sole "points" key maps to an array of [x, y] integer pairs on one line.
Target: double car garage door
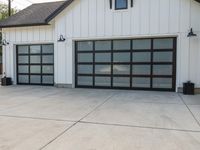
{"points": [[127, 64], [35, 64]]}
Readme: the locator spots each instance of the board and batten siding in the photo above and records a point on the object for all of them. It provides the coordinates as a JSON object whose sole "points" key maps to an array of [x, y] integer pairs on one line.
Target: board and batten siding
{"points": [[20, 36], [93, 19]]}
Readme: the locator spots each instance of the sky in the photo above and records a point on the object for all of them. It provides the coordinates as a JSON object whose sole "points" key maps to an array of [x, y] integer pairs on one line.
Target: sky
{"points": [[21, 4]]}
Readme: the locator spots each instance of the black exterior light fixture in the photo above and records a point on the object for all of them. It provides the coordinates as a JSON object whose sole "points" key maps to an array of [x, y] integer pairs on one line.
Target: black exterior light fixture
{"points": [[4, 42], [191, 33], [61, 38]]}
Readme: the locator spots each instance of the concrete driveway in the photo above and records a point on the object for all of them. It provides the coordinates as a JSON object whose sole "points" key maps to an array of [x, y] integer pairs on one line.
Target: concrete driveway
{"points": [[48, 118]]}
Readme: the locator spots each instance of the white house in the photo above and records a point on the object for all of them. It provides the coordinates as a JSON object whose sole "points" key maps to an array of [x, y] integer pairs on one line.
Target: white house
{"points": [[128, 44]]}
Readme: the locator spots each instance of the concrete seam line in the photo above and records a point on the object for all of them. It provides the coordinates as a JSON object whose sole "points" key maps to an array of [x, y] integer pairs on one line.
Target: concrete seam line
{"points": [[189, 110], [59, 135], [141, 127], [35, 118], [107, 99]]}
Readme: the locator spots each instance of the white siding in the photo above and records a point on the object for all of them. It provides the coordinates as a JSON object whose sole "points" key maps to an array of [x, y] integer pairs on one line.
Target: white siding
{"points": [[93, 19]]}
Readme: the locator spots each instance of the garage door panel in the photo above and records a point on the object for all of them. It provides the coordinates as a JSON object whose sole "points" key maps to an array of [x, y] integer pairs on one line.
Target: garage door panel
{"points": [[33, 63], [129, 63]]}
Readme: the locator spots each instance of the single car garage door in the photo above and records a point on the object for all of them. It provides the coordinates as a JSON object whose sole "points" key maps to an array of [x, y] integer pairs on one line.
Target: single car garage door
{"points": [[35, 64], [148, 64]]}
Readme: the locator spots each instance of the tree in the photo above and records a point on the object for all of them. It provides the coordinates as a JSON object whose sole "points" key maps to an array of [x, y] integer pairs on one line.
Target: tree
{"points": [[4, 11]]}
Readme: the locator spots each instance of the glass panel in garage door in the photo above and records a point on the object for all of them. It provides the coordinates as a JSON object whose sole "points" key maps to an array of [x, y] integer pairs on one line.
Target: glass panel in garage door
{"points": [[85, 46], [141, 44], [121, 45], [103, 45], [85, 57], [23, 60], [35, 79], [47, 49], [103, 81], [121, 57], [85, 69], [163, 57], [166, 43], [121, 82], [106, 57], [162, 83], [35, 49], [121, 69], [141, 82], [141, 57], [103, 69], [48, 79], [23, 79], [85, 80], [23, 69], [35, 69], [23, 50], [141, 69]]}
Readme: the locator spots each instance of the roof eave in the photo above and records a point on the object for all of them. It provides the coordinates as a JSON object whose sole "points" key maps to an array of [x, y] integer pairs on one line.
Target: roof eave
{"points": [[58, 11], [25, 25]]}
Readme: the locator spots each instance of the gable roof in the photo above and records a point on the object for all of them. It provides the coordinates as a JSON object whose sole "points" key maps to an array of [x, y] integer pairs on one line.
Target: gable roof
{"points": [[36, 14]]}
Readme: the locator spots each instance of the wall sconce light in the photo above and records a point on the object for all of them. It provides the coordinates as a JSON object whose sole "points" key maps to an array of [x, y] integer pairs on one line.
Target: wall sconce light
{"points": [[191, 33], [4, 42], [61, 39]]}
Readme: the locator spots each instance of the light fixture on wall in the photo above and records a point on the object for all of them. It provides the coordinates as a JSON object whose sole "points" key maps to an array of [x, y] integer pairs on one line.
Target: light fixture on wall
{"points": [[61, 38], [191, 33], [5, 42]]}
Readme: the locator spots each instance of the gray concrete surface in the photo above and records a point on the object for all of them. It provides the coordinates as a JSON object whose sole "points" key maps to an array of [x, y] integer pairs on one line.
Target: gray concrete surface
{"points": [[37, 118]]}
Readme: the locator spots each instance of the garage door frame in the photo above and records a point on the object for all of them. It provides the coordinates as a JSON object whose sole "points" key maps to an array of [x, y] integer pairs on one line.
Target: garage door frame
{"points": [[173, 63], [35, 64]]}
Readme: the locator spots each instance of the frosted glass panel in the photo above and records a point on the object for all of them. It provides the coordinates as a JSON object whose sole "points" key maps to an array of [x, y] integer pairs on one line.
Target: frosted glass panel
{"points": [[35, 69], [85, 46], [102, 81], [47, 79], [141, 69], [23, 78], [85, 81], [121, 57], [35, 59], [102, 45], [23, 59], [47, 59], [142, 57], [47, 49], [102, 57], [47, 69], [162, 83], [22, 49], [103, 69], [35, 49], [121, 82], [23, 69], [142, 44], [85, 69], [121, 69], [35, 79], [162, 69], [85, 57], [141, 82], [121, 45], [163, 56], [163, 43]]}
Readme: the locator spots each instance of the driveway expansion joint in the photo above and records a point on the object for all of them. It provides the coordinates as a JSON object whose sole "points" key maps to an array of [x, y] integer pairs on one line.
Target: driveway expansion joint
{"points": [[139, 127], [189, 110]]}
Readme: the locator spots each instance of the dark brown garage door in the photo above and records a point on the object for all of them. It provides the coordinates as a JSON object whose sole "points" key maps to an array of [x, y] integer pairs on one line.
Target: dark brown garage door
{"points": [[148, 64], [35, 64]]}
